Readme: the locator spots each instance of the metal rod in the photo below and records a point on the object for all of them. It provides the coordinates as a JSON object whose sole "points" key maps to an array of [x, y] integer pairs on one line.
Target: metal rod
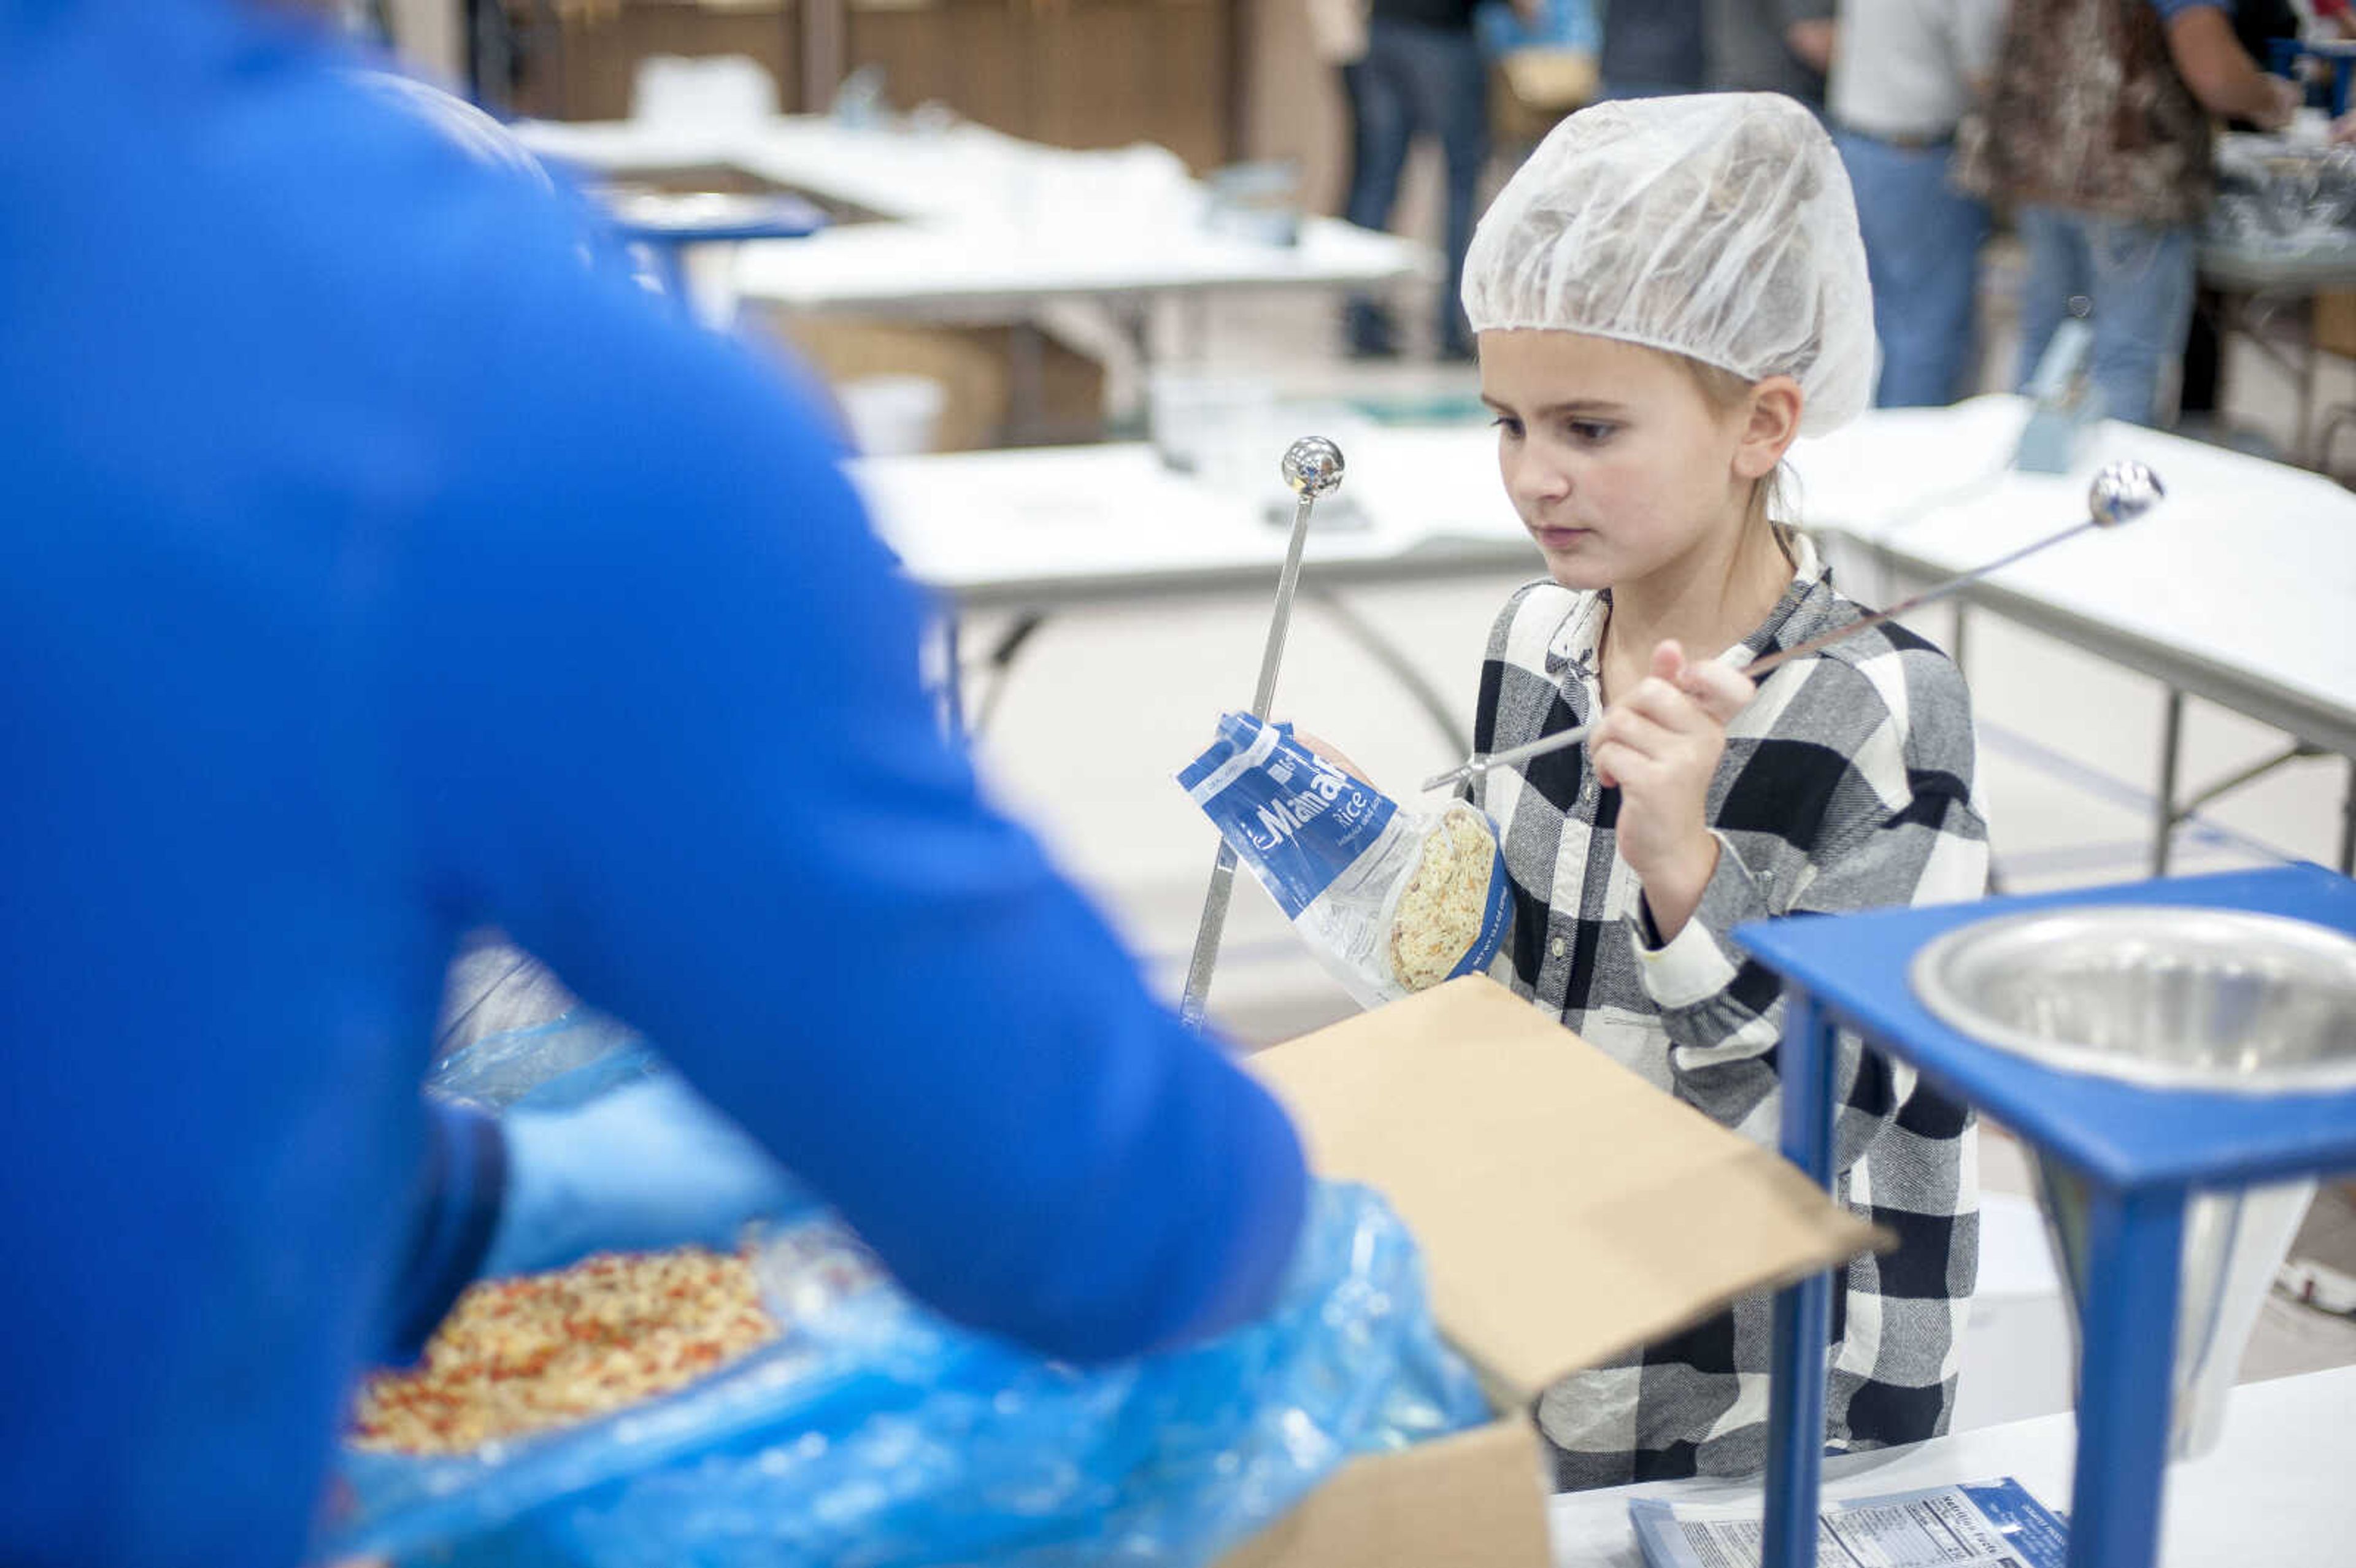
{"points": [[1312, 468], [2347, 823], [2297, 751], [2121, 492], [2171, 731], [1475, 766]]}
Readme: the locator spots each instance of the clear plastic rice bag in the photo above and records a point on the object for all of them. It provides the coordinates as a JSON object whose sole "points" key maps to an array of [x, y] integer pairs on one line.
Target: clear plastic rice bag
{"points": [[1390, 899], [570, 1059], [874, 1435]]}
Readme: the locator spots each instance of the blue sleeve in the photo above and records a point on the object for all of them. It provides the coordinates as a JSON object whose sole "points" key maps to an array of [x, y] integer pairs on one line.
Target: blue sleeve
{"points": [[459, 1189], [667, 729]]}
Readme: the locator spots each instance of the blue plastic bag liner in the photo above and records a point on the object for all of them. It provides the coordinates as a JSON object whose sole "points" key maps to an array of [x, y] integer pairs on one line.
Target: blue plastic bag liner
{"points": [[1390, 899], [877, 1435], [548, 1067], [1557, 25]]}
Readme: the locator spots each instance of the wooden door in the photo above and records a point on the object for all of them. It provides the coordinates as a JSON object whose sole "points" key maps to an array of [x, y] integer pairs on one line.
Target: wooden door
{"points": [[579, 63], [972, 55], [1110, 72]]}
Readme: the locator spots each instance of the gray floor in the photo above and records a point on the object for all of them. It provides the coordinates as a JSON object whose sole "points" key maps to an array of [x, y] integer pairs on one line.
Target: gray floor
{"points": [[1106, 704]]}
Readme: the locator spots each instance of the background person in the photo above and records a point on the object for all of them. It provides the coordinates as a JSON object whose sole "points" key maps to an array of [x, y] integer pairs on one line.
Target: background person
{"points": [[1907, 72], [1770, 45], [1652, 49], [1422, 75], [2096, 133]]}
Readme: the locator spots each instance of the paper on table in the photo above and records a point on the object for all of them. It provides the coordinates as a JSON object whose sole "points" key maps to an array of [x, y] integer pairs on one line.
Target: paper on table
{"points": [[1991, 1524]]}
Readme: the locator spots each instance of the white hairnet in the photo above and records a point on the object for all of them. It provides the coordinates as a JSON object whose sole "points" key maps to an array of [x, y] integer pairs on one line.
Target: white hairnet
{"points": [[1718, 226]]}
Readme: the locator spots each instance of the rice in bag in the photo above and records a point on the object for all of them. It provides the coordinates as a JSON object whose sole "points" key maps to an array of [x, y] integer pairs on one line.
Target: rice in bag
{"points": [[1390, 899]]}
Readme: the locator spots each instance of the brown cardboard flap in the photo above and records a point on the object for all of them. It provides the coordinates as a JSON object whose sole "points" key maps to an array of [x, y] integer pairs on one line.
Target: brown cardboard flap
{"points": [[1567, 1209], [1476, 1498]]}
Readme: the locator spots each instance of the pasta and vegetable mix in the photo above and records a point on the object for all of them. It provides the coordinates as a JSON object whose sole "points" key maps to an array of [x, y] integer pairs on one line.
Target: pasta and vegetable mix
{"points": [[1446, 900], [528, 1354]]}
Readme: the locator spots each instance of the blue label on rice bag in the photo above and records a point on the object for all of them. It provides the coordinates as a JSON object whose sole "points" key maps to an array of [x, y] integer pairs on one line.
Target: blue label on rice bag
{"points": [[1298, 819]]}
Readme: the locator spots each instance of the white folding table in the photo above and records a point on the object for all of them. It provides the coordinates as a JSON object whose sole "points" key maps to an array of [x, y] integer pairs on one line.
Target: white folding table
{"points": [[2240, 590], [1035, 529], [976, 226]]}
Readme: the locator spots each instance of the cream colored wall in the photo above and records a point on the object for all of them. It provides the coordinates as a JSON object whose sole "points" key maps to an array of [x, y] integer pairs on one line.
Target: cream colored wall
{"points": [[430, 33]]}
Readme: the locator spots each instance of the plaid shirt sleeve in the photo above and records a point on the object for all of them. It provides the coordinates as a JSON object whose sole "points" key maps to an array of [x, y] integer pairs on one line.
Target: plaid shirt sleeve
{"points": [[1897, 825], [1847, 784]]}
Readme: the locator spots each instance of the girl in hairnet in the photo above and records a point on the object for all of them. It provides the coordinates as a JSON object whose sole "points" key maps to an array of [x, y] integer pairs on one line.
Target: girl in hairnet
{"points": [[1666, 295]]}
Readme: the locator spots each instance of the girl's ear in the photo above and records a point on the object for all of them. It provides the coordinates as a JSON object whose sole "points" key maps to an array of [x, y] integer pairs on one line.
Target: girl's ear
{"points": [[1771, 422]]}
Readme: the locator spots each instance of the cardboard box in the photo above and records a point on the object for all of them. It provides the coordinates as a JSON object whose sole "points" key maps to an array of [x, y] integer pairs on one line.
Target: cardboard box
{"points": [[976, 365], [2335, 321], [1568, 1212]]}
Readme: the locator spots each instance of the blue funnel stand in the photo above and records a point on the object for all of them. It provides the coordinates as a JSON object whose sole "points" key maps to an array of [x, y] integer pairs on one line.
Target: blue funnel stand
{"points": [[2139, 1152]]}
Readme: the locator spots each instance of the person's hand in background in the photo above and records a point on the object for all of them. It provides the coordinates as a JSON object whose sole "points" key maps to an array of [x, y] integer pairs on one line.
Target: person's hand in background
{"points": [[1813, 42], [2285, 97], [1332, 753], [2222, 75]]}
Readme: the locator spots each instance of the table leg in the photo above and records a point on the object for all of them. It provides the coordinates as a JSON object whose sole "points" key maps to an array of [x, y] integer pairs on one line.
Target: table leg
{"points": [[1136, 319], [999, 662], [2125, 1371], [1804, 1312], [1958, 639], [2307, 362], [2172, 730], [1027, 384], [939, 667], [2348, 823]]}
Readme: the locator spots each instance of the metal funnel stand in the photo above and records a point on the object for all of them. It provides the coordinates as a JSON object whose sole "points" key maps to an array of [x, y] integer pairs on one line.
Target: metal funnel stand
{"points": [[1312, 468], [2217, 1000]]}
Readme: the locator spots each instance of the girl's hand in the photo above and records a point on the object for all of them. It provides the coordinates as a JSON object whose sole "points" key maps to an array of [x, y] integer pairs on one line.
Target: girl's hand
{"points": [[1331, 754], [1660, 745]]}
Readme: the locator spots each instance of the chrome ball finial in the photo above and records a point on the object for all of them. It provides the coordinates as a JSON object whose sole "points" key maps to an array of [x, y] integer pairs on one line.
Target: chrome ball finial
{"points": [[2123, 492], [1312, 468]]}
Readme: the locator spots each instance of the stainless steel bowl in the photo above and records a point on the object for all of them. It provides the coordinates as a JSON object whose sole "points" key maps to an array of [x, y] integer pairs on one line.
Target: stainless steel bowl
{"points": [[2161, 996]]}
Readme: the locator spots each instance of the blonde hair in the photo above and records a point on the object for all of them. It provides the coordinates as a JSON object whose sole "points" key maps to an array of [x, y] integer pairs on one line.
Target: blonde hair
{"points": [[1770, 495]]}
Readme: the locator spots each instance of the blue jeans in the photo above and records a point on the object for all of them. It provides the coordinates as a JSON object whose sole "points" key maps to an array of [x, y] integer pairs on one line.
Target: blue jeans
{"points": [[1921, 250], [1413, 81], [2138, 277]]}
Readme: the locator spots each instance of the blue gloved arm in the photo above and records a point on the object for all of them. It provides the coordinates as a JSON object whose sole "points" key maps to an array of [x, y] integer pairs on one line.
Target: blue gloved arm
{"points": [[460, 1191], [649, 1166], [667, 732]]}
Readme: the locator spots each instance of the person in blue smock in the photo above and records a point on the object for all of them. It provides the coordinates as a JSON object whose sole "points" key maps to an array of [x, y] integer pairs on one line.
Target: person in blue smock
{"points": [[376, 571]]}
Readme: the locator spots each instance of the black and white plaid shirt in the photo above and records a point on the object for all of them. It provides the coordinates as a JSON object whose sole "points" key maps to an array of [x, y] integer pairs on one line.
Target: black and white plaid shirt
{"points": [[1847, 784]]}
